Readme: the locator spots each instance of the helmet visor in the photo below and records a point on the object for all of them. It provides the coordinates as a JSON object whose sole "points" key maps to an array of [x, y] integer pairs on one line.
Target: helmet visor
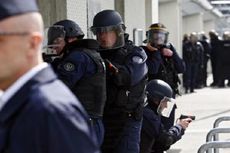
{"points": [[55, 32], [165, 107], [110, 37], [156, 38]]}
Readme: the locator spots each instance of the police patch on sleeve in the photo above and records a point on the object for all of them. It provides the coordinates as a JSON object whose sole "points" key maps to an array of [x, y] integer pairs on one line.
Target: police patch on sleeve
{"points": [[69, 66], [137, 59]]}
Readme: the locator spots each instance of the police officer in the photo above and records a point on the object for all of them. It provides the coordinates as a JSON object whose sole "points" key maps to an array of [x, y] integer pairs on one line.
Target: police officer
{"points": [[126, 80], [163, 62], [192, 55], [81, 68], [223, 64], [206, 56], [154, 137], [215, 52], [37, 111]]}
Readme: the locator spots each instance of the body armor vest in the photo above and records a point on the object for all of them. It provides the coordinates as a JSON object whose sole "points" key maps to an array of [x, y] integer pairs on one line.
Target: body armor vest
{"points": [[130, 98], [91, 91]]}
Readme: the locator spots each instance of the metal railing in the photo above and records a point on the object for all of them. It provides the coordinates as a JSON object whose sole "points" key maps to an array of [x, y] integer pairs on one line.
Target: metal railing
{"points": [[215, 131], [214, 144], [215, 125], [214, 134], [219, 120]]}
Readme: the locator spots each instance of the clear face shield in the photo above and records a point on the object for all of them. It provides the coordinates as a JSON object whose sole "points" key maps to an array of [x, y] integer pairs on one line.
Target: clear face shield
{"points": [[110, 37], [165, 107], [157, 38], [56, 40]]}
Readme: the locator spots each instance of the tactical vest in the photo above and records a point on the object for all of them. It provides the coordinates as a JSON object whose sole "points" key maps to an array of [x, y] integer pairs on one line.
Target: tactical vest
{"points": [[123, 102], [91, 91], [126, 99], [193, 53], [168, 73]]}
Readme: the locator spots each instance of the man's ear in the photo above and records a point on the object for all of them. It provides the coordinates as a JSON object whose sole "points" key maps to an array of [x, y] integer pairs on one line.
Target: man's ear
{"points": [[35, 40]]}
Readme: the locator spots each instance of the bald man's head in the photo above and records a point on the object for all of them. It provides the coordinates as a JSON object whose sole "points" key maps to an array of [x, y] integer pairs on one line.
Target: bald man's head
{"points": [[30, 22]]}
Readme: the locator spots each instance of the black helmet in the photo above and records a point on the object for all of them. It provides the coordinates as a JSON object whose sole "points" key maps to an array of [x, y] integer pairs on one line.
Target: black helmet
{"points": [[107, 21], [159, 96], [158, 89], [157, 34], [107, 18], [69, 28]]}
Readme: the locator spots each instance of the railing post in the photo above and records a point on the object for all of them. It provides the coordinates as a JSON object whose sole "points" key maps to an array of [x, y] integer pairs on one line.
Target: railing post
{"points": [[216, 124], [215, 144]]}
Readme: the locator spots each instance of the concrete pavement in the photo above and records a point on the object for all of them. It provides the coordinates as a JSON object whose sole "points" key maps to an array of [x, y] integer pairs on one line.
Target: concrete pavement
{"points": [[207, 105]]}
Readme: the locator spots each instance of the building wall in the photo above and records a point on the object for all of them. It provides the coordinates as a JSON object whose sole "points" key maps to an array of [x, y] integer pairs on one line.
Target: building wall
{"points": [[208, 26], [134, 15], [77, 11], [52, 11], [170, 16], [151, 12], [107, 4], [193, 23]]}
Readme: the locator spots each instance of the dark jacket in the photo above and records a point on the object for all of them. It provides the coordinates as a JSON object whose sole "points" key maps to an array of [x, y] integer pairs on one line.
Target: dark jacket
{"points": [[82, 69], [165, 68], [125, 92], [154, 138], [45, 117]]}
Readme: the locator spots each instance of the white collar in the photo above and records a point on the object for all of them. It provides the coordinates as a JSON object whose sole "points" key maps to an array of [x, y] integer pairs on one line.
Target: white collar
{"points": [[6, 95]]}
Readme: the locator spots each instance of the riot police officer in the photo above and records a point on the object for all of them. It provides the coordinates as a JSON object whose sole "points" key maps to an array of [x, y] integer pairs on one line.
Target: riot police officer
{"points": [[192, 55], [126, 80], [206, 56], [81, 68], [215, 52], [163, 62], [154, 137]]}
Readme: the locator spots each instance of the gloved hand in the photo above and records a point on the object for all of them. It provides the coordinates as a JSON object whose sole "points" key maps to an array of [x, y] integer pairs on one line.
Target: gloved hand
{"points": [[166, 52], [110, 67]]}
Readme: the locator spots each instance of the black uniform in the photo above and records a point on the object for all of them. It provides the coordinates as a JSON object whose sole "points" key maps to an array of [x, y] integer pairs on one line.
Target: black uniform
{"points": [[215, 52], [206, 56], [223, 64], [125, 98], [154, 137], [82, 69], [192, 55]]}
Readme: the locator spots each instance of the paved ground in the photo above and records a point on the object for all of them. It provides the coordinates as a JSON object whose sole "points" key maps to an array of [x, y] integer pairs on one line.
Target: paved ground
{"points": [[207, 104]]}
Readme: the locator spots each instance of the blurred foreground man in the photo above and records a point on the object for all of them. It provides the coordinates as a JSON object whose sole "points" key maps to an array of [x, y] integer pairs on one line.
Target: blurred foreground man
{"points": [[37, 112]]}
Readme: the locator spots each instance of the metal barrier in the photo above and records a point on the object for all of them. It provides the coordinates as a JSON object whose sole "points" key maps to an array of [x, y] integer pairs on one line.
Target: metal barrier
{"points": [[214, 131], [215, 144], [219, 120], [215, 125]]}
